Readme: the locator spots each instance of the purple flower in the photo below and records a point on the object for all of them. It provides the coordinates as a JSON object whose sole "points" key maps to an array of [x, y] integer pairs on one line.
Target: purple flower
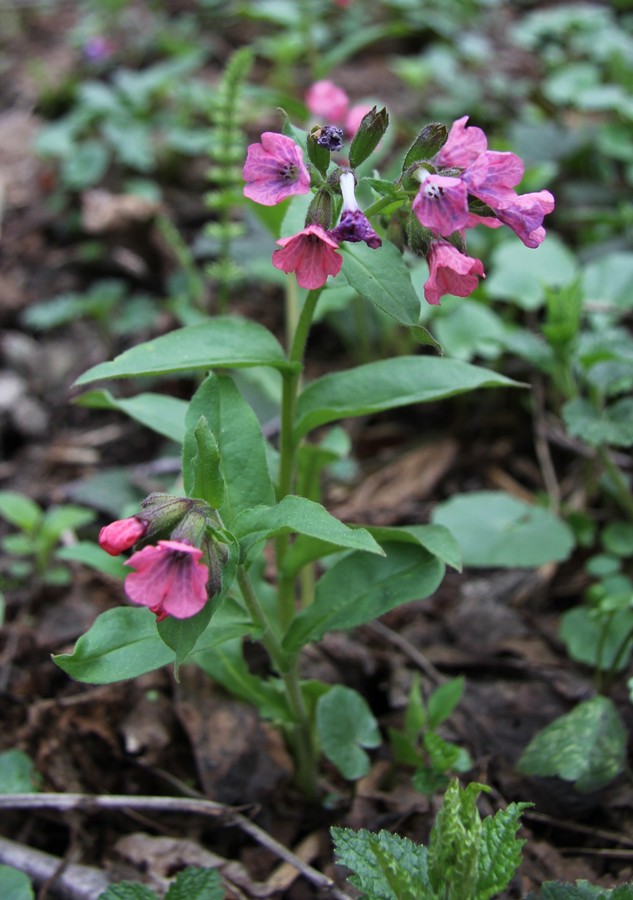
{"points": [[274, 170], [493, 177], [311, 254], [441, 204], [450, 272], [524, 215], [354, 225], [330, 136], [169, 579], [463, 145]]}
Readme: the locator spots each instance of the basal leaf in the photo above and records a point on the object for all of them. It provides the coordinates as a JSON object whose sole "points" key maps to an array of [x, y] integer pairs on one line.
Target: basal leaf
{"points": [[359, 588], [121, 643], [586, 746], [389, 384], [345, 724], [386, 866], [612, 425], [499, 851], [224, 342]]}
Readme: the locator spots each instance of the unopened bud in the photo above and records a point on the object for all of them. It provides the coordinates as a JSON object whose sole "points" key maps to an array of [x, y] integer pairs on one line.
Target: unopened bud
{"points": [[370, 131], [320, 210], [428, 142]]}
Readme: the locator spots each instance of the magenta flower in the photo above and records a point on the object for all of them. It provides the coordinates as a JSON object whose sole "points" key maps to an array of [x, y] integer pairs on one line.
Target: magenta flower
{"points": [[274, 170], [493, 177], [169, 579], [525, 216], [441, 204], [327, 101], [450, 272], [311, 254], [463, 145], [354, 225], [122, 534]]}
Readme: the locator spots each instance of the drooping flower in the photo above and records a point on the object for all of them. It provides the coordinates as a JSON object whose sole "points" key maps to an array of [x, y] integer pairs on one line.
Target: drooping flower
{"points": [[354, 225], [441, 204], [325, 100], [524, 215], [463, 145], [119, 536], [274, 170], [310, 254], [170, 579], [493, 176], [450, 272]]}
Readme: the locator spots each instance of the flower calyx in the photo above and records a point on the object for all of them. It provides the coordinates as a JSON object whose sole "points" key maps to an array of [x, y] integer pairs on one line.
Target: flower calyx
{"points": [[371, 130]]}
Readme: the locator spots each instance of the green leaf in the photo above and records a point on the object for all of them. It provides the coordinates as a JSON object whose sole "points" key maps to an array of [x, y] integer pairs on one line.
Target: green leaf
{"points": [[496, 529], [385, 866], [59, 519], [128, 890], [582, 890], [345, 724], [596, 640], [300, 516], [389, 384], [86, 165], [586, 746], [194, 883], [92, 555], [226, 665], [520, 274], [201, 468], [617, 538], [612, 425], [454, 843], [163, 414], [15, 884], [181, 635], [122, 643], [443, 700], [20, 510], [18, 774], [240, 443], [359, 588], [382, 277], [499, 850], [224, 342], [469, 329], [437, 539]]}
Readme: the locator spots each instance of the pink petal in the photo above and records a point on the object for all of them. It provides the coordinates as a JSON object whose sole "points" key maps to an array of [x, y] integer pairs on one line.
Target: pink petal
{"points": [[441, 204], [463, 145]]}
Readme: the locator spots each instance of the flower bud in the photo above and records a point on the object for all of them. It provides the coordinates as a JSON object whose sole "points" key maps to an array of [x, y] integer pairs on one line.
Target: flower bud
{"points": [[370, 131], [122, 534], [163, 512], [426, 145], [320, 210]]}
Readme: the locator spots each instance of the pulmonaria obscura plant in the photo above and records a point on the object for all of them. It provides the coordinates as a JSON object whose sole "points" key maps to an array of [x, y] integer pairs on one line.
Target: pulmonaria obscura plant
{"points": [[196, 577]]}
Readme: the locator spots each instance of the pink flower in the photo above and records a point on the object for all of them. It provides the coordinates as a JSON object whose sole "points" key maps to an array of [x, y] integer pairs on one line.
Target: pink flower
{"points": [[327, 101], [450, 272], [493, 177], [169, 579], [122, 534], [524, 215], [274, 170], [463, 145], [311, 254], [441, 204], [355, 116]]}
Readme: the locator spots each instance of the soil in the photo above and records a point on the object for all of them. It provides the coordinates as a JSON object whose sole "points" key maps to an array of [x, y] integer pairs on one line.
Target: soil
{"points": [[154, 737]]}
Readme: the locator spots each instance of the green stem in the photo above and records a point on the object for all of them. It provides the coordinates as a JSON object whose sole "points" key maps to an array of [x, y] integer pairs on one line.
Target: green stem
{"points": [[288, 669], [623, 494]]}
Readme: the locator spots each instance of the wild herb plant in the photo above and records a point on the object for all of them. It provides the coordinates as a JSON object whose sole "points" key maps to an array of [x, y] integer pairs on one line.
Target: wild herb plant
{"points": [[198, 581]]}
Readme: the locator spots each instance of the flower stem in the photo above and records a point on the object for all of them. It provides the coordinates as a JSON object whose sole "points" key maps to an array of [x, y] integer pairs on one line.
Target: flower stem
{"points": [[288, 669]]}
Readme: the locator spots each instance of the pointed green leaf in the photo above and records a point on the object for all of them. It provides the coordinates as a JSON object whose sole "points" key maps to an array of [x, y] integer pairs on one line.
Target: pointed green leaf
{"points": [[20, 510], [359, 588], [443, 700], [454, 843], [345, 724], [240, 443], [194, 883], [128, 890], [389, 384], [499, 851], [437, 539], [382, 277], [300, 516], [386, 866], [586, 746], [181, 635], [224, 342], [160, 412], [201, 468]]}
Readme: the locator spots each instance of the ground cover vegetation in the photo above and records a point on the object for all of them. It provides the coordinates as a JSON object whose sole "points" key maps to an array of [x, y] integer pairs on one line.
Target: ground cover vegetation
{"points": [[316, 416]]}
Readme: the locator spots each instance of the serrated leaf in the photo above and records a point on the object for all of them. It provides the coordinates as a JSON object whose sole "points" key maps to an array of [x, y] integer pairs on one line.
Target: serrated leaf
{"points": [[301, 516], [612, 425], [499, 850], [586, 746], [454, 842], [18, 774], [581, 890], [389, 384], [359, 588], [224, 342], [366, 854], [163, 414], [345, 724], [195, 883], [128, 890], [15, 885]]}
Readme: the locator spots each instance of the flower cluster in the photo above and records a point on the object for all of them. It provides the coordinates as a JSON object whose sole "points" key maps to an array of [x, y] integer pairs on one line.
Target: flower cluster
{"points": [[182, 570], [450, 183]]}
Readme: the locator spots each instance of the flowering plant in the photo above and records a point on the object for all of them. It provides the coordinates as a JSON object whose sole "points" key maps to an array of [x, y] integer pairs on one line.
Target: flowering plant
{"points": [[198, 583]]}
